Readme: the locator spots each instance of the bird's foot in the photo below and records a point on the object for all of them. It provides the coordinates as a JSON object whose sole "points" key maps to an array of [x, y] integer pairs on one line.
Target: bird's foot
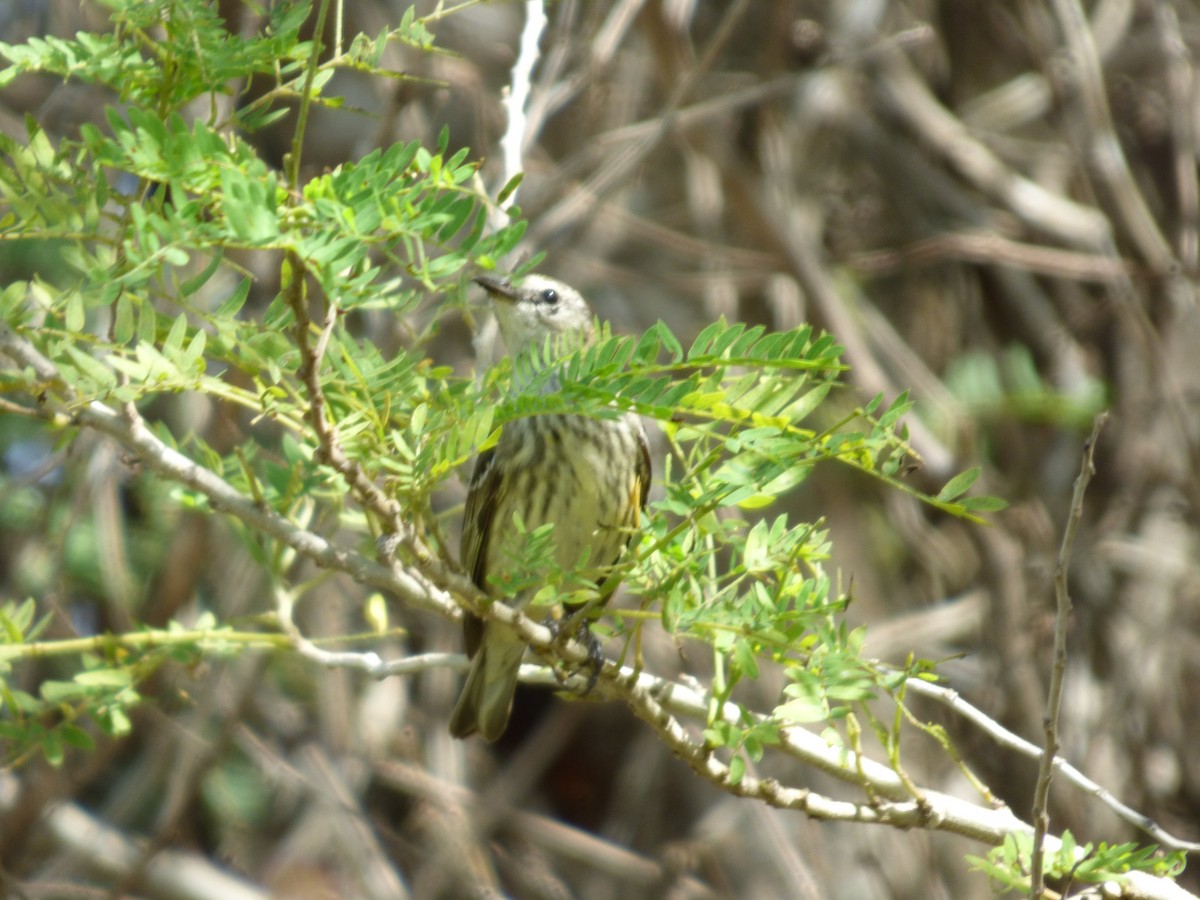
{"points": [[565, 628]]}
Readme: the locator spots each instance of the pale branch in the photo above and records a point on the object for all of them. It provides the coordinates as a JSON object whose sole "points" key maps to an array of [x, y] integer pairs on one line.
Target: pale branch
{"points": [[657, 702], [1062, 621], [679, 699], [517, 134], [368, 661], [1011, 741], [675, 698], [516, 99]]}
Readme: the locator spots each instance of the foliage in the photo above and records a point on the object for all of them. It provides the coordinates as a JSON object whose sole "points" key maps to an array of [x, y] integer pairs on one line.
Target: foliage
{"points": [[1008, 865]]}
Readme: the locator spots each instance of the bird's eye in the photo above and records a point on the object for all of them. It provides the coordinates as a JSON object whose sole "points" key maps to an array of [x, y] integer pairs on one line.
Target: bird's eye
{"points": [[549, 296]]}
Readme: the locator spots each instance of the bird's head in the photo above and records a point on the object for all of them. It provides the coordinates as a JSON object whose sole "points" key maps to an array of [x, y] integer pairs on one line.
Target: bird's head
{"points": [[536, 309]]}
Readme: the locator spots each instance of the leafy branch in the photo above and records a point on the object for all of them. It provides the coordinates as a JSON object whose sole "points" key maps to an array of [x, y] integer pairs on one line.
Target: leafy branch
{"points": [[656, 701]]}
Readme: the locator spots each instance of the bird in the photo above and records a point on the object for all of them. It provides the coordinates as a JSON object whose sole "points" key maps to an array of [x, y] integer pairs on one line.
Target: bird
{"points": [[586, 476]]}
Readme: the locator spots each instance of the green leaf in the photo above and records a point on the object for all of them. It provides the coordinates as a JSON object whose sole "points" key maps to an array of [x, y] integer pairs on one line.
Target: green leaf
{"points": [[76, 736], [123, 322], [173, 345], [722, 340], [14, 621], [249, 204], [669, 341], [737, 769], [234, 302], [983, 504], [53, 691], [115, 722], [75, 316], [959, 484], [119, 678], [747, 663], [147, 326], [803, 710], [700, 346], [97, 372], [509, 188], [648, 346], [194, 284], [52, 748]]}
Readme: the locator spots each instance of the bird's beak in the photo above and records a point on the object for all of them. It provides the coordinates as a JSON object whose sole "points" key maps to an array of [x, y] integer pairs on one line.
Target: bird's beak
{"points": [[497, 289]]}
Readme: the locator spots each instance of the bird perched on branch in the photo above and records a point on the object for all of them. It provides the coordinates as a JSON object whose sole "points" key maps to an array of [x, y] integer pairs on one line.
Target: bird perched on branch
{"points": [[585, 476]]}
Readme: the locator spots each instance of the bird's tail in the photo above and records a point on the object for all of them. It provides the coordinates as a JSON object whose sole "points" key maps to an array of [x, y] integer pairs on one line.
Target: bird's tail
{"points": [[486, 699]]}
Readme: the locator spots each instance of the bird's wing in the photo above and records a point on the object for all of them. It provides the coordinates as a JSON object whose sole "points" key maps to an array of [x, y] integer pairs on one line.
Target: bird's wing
{"points": [[482, 499], [477, 518], [643, 472]]}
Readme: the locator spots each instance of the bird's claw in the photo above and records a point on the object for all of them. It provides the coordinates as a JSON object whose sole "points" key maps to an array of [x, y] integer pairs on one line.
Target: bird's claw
{"points": [[561, 630]]}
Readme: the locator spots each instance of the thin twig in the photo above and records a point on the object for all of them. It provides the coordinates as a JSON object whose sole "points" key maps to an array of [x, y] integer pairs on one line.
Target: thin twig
{"points": [[1102, 148], [512, 145], [1012, 741], [518, 130], [1062, 618], [369, 661], [329, 448], [1181, 89], [306, 95], [990, 248]]}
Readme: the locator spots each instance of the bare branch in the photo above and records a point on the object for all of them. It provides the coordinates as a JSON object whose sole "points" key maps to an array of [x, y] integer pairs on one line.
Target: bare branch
{"points": [[990, 248], [1011, 741], [169, 874], [909, 98], [1181, 85], [1062, 620], [517, 133], [1102, 148]]}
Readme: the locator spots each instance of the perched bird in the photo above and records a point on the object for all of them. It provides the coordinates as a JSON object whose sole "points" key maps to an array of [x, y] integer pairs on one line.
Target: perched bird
{"points": [[588, 477]]}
